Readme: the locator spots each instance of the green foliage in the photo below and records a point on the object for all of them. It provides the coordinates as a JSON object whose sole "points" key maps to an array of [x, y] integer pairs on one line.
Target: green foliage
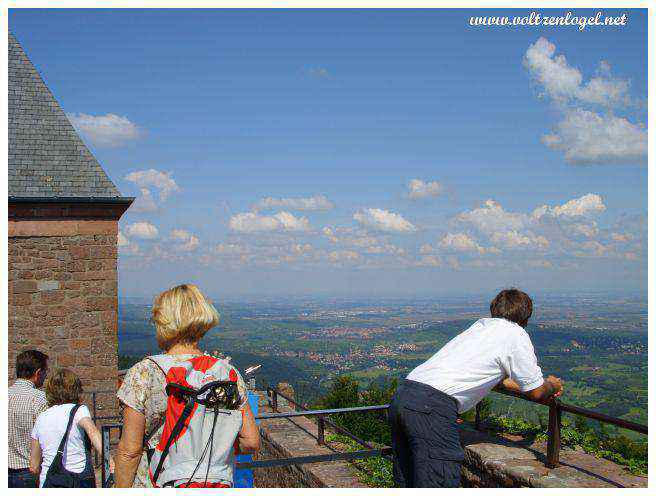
{"points": [[345, 392], [374, 471]]}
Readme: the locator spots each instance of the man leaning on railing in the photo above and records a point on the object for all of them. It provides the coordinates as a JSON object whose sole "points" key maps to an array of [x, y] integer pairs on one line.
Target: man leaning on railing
{"points": [[423, 412]]}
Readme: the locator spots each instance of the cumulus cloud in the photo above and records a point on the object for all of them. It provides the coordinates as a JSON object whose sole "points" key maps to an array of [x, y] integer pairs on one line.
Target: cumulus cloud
{"points": [[148, 181], [341, 256], [586, 137], [463, 243], [152, 178], [109, 131], [184, 240], [122, 240], [312, 203], [563, 82], [251, 222], [418, 189], [141, 230], [383, 220], [583, 206], [430, 261], [512, 240], [491, 217]]}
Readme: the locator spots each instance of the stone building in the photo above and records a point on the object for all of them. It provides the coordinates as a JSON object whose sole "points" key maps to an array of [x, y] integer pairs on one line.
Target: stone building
{"points": [[63, 227]]}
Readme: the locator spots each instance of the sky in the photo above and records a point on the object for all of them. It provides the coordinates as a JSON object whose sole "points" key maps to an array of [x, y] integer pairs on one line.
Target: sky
{"points": [[359, 152]]}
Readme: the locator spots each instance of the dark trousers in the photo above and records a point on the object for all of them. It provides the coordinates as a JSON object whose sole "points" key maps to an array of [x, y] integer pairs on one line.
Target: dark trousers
{"points": [[22, 477], [425, 439]]}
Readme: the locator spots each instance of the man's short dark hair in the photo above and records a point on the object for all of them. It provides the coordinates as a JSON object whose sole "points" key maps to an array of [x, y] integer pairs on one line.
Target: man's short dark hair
{"points": [[28, 362], [513, 305]]}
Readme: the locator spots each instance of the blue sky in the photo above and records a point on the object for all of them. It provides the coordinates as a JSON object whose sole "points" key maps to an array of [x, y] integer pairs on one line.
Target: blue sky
{"points": [[334, 113]]}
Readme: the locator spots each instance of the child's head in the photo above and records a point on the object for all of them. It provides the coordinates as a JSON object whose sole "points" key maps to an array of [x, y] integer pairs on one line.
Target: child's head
{"points": [[513, 305]]}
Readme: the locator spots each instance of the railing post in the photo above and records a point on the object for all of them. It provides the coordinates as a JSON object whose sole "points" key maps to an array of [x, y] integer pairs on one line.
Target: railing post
{"points": [[93, 403], [553, 444], [321, 430], [274, 399], [478, 416], [106, 450]]}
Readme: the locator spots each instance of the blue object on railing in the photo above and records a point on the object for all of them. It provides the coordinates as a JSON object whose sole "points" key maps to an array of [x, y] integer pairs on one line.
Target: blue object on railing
{"points": [[244, 477]]}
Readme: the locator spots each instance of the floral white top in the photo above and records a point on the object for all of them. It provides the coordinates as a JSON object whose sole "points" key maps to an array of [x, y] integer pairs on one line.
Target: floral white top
{"points": [[143, 390]]}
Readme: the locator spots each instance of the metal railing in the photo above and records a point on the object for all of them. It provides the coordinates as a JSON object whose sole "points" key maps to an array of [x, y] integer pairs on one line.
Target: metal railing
{"points": [[370, 451], [556, 408]]}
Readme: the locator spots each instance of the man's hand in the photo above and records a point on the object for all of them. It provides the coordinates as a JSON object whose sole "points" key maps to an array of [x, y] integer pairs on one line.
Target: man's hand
{"points": [[551, 388], [556, 385]]}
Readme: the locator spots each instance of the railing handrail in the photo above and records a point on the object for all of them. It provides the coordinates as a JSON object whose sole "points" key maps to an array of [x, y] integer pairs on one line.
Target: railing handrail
{"points": [[556, 407], [577, 410]]}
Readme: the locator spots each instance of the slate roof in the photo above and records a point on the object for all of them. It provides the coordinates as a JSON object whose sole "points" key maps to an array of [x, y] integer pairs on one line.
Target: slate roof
{"points": [[47, 158]]}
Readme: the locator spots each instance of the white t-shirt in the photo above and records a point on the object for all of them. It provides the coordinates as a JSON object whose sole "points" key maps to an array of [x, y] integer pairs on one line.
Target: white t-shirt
{"points": [[476, 360], [49, 429]]}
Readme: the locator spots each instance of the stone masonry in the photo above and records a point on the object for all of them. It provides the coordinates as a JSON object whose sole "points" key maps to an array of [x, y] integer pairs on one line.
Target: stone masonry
{"points": [[63, 299]]}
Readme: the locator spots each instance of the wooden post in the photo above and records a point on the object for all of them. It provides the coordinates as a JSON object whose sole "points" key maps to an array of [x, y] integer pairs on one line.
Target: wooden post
{"points": [[275, 400], [553, 444], [321, 429]]}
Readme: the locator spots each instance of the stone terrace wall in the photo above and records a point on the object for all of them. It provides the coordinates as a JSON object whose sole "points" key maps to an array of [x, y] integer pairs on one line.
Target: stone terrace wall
{"points": [[296, 436], [63, 299]]}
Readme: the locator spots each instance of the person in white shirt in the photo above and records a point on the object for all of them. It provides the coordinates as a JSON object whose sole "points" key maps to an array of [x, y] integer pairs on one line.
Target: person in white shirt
{"points": [[73, 465], [423, 412]]}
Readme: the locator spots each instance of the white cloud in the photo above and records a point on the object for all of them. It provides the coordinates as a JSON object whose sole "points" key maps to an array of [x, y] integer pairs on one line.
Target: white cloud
{"points": [[583, 206], [563, 82], [491, 217], [313, 203], [463, 243], [144, 202], [583, 135], [108, 130], [249, 222], [340, 256], [585, 230], [122, 240], [621, 238], [542, 264], [152, 178], [317, 72], [426, 249], [383, 220], [513, 240], [141, 230], [586, 137], [558, 78], [430, 261], [184, 240], [418, 189]]}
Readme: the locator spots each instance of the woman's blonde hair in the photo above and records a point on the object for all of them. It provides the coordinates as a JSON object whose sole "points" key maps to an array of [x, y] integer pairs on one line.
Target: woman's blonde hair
{"points": [[63, 386], [182, 315]]}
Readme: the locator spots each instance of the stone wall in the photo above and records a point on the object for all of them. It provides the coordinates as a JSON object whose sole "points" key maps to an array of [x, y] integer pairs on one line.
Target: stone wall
{"points": [[284, 438], [63, 299]]}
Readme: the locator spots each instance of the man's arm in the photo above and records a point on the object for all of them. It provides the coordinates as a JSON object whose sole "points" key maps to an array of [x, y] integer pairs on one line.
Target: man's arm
{"points": [[551, 388]]}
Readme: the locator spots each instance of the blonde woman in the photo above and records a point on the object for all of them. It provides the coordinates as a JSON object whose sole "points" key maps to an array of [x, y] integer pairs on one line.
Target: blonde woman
{"points": [[182, 316], [62, 435]]}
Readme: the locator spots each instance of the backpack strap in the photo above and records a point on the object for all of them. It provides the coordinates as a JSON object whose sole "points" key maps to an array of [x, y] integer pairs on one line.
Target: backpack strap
{"points": [[62, 443], [177, 428]]}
